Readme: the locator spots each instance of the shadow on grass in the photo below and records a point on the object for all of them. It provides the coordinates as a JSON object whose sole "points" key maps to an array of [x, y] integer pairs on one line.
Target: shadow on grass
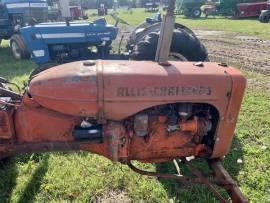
{"points": [[199, 193], [8, 175], [33, 186], [10, 67]]}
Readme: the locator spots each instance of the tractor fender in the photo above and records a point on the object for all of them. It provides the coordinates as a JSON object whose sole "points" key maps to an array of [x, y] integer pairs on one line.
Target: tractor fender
{"points": [[144, 29]]}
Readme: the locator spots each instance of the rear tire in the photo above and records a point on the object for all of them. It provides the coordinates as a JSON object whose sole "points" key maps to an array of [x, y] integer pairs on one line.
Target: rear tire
{"points": [[183, 42], [18, 47], [39, 69]]}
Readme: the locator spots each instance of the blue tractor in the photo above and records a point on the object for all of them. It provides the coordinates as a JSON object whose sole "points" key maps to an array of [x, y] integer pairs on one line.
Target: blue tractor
{"points": [[64, 41], [61, 42], [15, 14]]}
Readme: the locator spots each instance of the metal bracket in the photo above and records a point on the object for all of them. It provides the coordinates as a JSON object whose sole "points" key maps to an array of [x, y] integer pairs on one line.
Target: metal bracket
{"points": [[166, 34], [220, 177]]}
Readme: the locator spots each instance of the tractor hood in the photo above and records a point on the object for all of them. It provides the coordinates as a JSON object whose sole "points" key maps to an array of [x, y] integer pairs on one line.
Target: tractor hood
{"points": [[74, 32], [118, 89]]}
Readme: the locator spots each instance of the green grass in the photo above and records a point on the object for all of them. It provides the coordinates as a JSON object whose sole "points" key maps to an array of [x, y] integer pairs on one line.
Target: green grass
{"points": [[82, 177], [250, 26]]}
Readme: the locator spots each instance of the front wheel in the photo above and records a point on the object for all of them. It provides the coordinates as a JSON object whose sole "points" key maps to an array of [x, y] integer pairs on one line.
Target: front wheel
{"points": [[18, 47], [196, 12]]}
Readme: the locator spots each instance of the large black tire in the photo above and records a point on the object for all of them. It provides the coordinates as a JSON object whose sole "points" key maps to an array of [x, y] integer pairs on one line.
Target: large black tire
{"points": [[184, 43], [264, 17], [18, 47], [39, 69]]}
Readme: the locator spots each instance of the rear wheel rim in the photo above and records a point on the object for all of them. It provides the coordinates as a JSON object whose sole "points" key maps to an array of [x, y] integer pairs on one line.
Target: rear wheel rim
{"points": [[174, 56], [15, 50], [196, 12]]}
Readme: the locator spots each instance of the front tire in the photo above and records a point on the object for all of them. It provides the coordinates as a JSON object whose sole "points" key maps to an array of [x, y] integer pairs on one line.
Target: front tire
{"points": [[18, 47], [196, 12]]}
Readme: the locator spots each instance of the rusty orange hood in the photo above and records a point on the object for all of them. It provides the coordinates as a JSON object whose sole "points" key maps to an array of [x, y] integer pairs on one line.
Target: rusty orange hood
{"points": [[121, 88], [115, 90]]}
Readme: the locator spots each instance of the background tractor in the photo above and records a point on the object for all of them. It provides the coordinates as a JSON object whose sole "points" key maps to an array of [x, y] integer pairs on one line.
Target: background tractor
{"points": [[189, 8], [15, 14], [265, 14], [70, 41], [235, 8]]}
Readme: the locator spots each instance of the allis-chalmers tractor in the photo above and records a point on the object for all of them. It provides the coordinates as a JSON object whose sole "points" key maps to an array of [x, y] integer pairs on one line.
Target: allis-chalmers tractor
{"points": [[131, 110]]}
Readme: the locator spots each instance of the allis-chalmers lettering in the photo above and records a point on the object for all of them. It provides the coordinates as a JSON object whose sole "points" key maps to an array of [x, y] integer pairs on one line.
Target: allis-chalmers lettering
{"points": [[163, 91]]}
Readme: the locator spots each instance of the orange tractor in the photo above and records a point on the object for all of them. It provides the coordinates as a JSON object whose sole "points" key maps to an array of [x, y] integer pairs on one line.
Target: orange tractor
{"points": [[130, 110]]}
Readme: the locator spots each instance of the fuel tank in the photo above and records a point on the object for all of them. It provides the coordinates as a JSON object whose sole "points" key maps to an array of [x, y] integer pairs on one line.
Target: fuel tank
{"points": [[118, 89]]}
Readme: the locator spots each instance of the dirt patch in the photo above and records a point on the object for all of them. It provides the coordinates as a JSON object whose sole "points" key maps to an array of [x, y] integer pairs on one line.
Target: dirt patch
{"points": [[201, 33], [248, 52], [259, 83], [113, 196], [251, 53]]}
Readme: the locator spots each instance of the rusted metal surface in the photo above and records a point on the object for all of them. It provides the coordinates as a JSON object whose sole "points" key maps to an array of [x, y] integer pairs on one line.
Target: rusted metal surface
{"points": [[227, 125], [70, 89], [6, 122], [138, 111], [123, 88], [37, 124], [161, 144]]}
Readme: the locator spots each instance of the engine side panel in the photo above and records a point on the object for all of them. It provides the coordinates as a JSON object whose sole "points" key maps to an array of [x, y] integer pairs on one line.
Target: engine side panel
{"points": [[130, 87]]}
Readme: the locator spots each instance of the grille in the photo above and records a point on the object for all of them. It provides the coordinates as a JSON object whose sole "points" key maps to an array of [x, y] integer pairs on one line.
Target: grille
{"points": [[40, 14]]}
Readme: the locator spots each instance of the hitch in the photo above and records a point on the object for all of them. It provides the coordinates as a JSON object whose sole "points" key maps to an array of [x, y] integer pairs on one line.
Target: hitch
{"points": [[224, 180], [219, 177]]}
